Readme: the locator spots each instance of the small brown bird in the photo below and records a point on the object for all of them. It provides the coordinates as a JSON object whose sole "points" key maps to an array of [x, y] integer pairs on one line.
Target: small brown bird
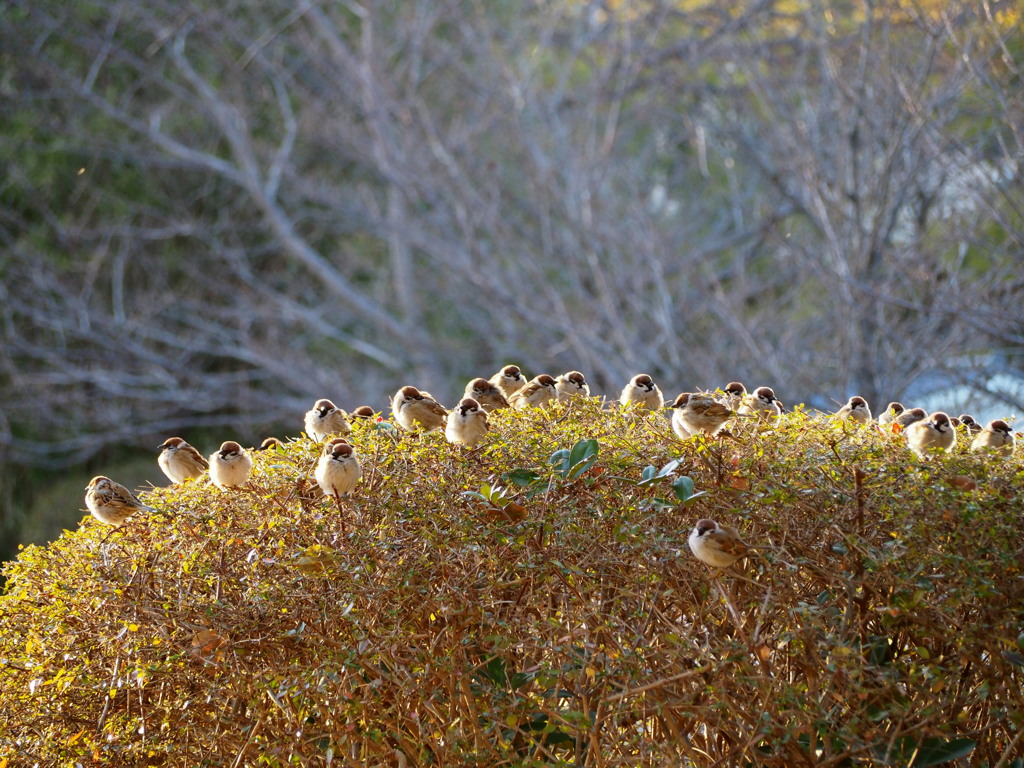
{"points": [[716, 545], [857, 409], [337, 472], [180, 461], [997, 438], [571, 384], [467, 424], [363, 412], [695, 413], [892, 410], [642, 392], [972, 425], [487, 395], [509, 380], [930, 435], [111, 502], [414, 410], [269, 443], [230, 466], [734, 395], [338, 469], [909, 416], [539, 391], [325, 418], [762, 402]]}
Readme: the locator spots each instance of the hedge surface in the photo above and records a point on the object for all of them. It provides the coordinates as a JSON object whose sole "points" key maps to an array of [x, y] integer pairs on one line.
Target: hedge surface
{"points": [[534, 602]]}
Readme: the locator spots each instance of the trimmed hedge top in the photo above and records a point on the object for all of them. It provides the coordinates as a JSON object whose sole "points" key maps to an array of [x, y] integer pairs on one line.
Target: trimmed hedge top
{"points": [[534, 602]]}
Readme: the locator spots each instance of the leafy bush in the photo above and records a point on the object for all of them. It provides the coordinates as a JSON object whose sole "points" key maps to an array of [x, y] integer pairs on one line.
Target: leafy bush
{"points": [[534, 602]]}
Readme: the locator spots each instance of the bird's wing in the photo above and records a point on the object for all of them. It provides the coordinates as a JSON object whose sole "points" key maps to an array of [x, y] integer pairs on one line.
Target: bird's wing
{"points": [[729, 542]]}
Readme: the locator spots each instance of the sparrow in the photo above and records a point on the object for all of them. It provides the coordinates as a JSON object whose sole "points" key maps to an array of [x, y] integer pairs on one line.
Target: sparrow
{"points": [[467, 424], [857, 409], [538, 391], [892, 410], [717, 545], [487, 395], [413, 409], [908, 417], [762, 402], [934, 433], [642, 391], [269, 443], [734, 395], [338, 470], [180, 461], [972, 425], [695, 413], [230, 465], [363, 412], [509, 380], [571, 384], [111, 502], [996, 437], [325, 418]]}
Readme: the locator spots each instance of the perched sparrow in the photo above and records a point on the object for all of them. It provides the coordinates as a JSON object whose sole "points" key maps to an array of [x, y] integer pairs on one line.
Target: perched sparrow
{"points": [[413, 409], [487, 395], [762, 402], [908, 417], [934, 433], [642, 391], [325, 418], [363, 412], [996, 437], [973, 427], [570, 384], [338, 470], [954, 421], [230, 465], [734, 395], [538, 391], [180, 461], [677, 422], [509, 380], [467, 424], [717, 545], [111, 502], [699, 413], [269, 443], [892, 410], [857, 409]]}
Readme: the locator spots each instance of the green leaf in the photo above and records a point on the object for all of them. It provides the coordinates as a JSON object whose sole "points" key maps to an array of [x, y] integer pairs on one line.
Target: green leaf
{"points": [[669, 468], [560, 461], [649, 475], [495, 671], [521, 477], [583, 466], [582, 451], [934, 751], [925, 752], [582, 457], [683, 487], [519, 679]]}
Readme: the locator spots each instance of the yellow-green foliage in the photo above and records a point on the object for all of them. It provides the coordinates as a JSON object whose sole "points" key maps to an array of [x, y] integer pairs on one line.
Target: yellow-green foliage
{"points": [[879, 623]]}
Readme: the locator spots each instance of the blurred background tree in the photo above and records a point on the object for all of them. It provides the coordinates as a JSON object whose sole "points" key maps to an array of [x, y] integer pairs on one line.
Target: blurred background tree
{"points": [[212, 215]]}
